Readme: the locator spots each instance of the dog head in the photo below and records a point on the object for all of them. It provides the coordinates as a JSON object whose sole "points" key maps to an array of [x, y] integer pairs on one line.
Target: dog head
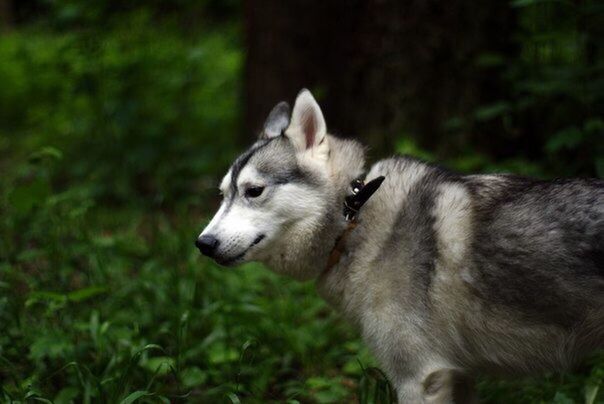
{"points": [[281, 196]]}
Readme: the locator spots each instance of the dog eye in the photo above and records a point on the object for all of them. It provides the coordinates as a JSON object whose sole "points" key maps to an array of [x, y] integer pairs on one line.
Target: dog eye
{"points": [[254, 192]]}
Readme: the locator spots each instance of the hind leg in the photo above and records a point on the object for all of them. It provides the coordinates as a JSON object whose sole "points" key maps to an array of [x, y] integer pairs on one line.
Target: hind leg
{"points": [[409, 391], [443, 386], [446, 386]]}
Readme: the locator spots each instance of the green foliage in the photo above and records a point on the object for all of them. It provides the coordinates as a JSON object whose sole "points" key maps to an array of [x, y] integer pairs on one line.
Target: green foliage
{"points": [[551, 113], [131, 100], [560, 73]]}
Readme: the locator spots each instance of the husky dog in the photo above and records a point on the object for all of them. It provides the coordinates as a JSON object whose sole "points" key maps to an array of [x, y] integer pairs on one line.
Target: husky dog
{"points": [[446, 275]]}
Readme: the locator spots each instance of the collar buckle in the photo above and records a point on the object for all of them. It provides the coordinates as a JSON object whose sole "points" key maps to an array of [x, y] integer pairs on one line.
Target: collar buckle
{"points": [[359, 194]]}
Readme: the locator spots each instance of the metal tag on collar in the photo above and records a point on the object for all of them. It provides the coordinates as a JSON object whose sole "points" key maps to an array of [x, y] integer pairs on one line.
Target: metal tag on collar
{"points": [[361, 193], [356, 186]]}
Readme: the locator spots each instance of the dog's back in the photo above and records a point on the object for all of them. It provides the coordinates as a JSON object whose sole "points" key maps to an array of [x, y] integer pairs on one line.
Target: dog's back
{"points": [[539, 245], [506, 273], [538, 252]]}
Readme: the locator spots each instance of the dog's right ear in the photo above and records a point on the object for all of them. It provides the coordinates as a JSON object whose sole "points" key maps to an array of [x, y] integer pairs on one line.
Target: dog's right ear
{"points": [[277, 121], [307, 129]]}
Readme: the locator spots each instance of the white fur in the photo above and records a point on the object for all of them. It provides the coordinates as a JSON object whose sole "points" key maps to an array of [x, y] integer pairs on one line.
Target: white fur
{"points": [[453, 225]]}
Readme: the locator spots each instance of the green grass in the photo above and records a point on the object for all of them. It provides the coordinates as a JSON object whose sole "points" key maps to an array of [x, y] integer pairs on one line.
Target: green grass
{"points": [[120, 302]]}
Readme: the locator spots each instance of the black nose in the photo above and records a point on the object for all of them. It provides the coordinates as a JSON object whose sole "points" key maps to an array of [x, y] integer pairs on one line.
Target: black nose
{"points": [[207, 245]]}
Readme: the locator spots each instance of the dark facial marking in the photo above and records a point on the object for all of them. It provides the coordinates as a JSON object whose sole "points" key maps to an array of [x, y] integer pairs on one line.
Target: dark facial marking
{"points": [[279, 165], [242, 162], [258, 239], [281, 177]]}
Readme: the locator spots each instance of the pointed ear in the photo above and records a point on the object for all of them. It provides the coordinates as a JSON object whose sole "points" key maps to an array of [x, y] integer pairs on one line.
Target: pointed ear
{"points": [[307, 129], [277, 121]]}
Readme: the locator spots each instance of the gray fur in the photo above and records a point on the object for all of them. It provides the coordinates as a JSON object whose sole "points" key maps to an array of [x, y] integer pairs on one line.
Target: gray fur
{"points": [[527, 296], [446, 275], [277, 121], [243, 160]]}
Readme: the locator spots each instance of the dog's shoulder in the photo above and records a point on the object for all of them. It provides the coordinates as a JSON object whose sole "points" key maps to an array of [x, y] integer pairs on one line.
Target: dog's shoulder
{"points": [[407, 176]]}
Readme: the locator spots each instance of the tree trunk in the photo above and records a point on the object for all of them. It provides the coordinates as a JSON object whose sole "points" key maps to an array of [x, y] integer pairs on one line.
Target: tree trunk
{"points": [[381, 69], [6, 15]]}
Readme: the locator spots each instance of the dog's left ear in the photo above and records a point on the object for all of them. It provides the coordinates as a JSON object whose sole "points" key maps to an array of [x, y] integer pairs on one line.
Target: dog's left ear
{"points": [[277, 121], [307, 129]]}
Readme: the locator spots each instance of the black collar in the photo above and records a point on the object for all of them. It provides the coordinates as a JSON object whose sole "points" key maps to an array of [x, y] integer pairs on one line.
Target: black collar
{"points": [[359, 194]]}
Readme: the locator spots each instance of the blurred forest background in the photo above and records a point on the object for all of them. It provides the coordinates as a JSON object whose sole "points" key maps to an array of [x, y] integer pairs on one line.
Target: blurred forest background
{"points": [[117, 119]]}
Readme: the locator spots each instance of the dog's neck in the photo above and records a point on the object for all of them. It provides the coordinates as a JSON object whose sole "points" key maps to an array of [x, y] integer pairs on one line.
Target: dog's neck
{"points": [[305, 254]]}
